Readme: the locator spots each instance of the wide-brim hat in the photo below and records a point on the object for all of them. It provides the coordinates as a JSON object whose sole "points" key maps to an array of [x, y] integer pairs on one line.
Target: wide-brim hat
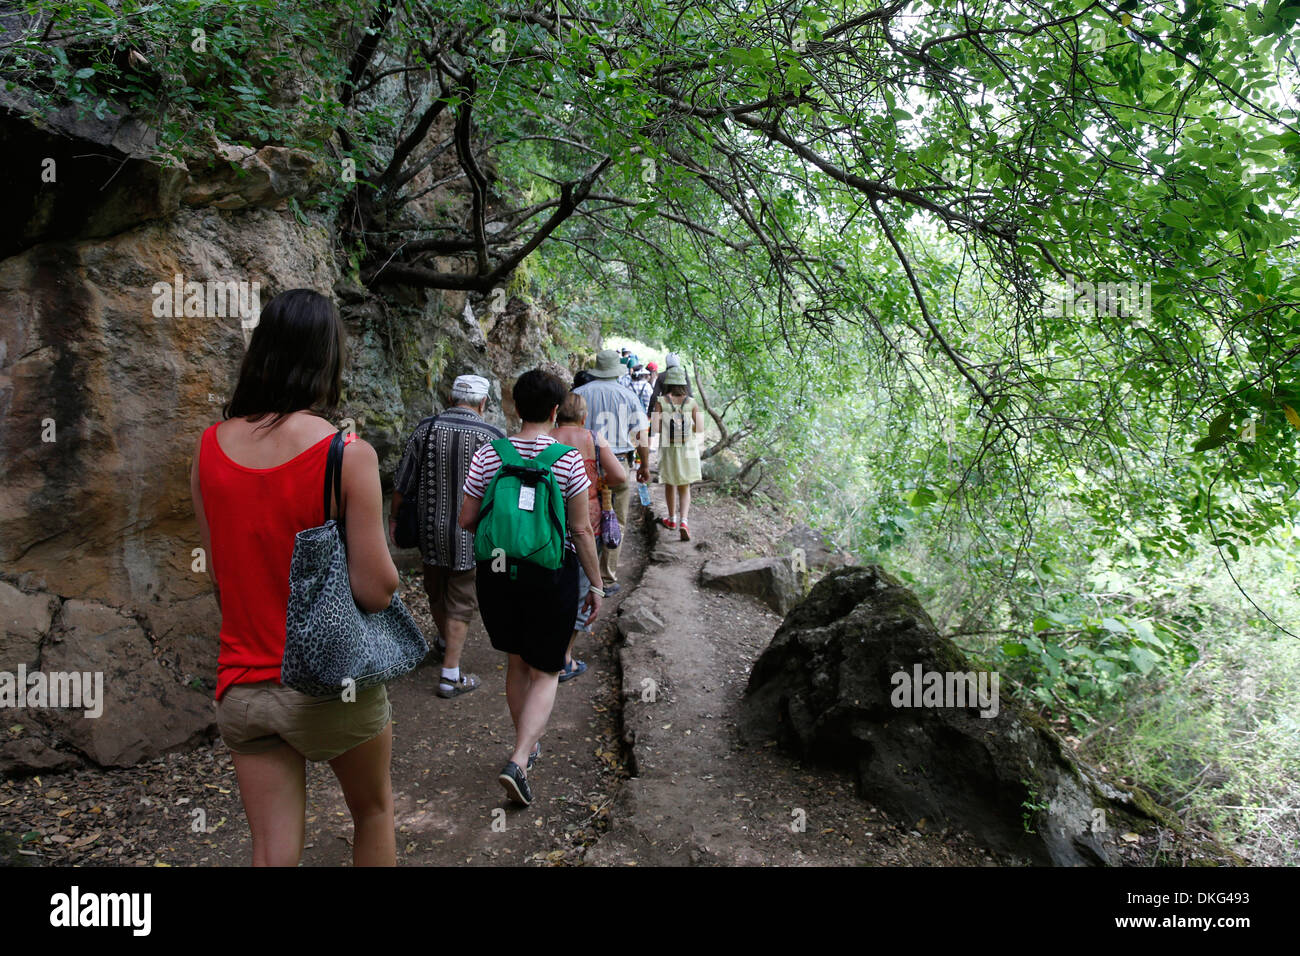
{"points": [[608, 365], [676, 375]]}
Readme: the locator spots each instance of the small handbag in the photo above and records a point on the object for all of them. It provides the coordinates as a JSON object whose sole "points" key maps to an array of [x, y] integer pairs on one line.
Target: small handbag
{"points": [[611, 535], [329, 642]]}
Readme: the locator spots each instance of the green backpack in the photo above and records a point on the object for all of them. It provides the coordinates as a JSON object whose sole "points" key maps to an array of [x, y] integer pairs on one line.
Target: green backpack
{"points": [[523, 510]]}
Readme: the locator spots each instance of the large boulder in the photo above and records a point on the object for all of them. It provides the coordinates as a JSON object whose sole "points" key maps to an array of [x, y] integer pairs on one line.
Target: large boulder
{"points": [[145, 711], [721, 467], [24, 621], [777, 580], [847, 681], [810, 546]]}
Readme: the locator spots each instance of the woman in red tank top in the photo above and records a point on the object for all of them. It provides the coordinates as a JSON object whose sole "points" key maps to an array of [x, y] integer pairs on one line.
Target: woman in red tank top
{"points": [[256, 482]]}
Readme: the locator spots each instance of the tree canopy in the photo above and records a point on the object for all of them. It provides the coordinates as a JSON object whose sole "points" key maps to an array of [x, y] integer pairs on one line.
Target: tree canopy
{"points": [[1066, 228]]}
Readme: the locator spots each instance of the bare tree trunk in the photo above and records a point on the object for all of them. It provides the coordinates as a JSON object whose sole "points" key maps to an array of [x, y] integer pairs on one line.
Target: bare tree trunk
{"points": [[727, 438]]}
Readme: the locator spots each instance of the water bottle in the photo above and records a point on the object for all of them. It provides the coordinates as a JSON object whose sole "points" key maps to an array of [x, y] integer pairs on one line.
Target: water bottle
{"points": [[643, 490]]}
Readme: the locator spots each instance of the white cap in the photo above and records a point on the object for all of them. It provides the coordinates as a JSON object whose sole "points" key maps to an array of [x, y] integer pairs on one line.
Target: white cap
{"points": [[670, 360], [469, 388]]}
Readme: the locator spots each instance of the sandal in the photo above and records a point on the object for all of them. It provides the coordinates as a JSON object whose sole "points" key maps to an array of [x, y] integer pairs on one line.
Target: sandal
{"points": [[686, 532], [572, 669], [448, 689]]}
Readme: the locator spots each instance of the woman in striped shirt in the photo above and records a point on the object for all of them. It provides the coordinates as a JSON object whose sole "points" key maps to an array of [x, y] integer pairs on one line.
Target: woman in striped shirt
{"points": [[529, 612]]}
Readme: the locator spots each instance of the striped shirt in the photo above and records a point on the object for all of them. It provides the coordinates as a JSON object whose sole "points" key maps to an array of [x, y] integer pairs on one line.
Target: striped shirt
{"points": [[569, 471], [452, 439]]}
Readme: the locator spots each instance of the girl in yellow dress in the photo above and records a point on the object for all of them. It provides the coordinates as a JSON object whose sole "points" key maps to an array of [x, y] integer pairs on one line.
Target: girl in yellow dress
{"points": [[677, 422]]}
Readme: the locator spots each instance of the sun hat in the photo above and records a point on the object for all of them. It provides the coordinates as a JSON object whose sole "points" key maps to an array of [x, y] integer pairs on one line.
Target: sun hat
{"points": [[608, 365], [676, 375]]}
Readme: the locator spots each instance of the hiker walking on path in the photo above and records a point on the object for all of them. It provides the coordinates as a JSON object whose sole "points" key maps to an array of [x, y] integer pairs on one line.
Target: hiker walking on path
{"points": [[670, 361], [433, 469], [602, 466], [527, 496], [256, 483], [642, 387], [615, 414], [677, 419]]}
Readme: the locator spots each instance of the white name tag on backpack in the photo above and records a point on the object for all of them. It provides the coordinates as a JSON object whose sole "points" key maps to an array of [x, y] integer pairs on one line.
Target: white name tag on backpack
{"points": [[527, 497]]}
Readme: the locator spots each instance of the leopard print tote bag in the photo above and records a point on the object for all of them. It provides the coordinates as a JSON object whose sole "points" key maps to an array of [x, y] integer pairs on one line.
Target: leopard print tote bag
{"points": [[331, 645]]}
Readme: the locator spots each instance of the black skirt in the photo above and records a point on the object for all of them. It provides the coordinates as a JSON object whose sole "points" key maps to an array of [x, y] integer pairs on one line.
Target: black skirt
{"points": [[529, 610]]}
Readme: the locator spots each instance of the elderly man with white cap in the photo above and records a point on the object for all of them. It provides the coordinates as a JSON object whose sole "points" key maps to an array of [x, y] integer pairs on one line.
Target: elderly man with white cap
{"points": [[433, 469]]}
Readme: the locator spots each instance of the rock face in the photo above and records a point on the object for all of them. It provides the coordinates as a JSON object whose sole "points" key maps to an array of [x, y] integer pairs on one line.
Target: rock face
{"points": [[772, 580], [836, 685], [105, 387]]}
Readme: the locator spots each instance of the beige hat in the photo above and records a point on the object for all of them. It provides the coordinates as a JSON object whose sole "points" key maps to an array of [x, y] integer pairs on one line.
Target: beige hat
{"points": [[608, 365]]}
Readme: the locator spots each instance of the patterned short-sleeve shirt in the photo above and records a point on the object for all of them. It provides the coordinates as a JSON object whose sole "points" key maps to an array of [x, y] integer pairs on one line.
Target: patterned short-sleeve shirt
{"points": [[449, 441]]}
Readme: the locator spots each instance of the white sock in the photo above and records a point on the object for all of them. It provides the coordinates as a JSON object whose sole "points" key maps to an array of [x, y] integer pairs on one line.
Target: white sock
{"points": [[451, 675]]}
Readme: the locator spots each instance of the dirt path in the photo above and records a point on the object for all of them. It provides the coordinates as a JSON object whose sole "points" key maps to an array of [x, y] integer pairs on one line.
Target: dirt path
{"points": [[699, 796]]}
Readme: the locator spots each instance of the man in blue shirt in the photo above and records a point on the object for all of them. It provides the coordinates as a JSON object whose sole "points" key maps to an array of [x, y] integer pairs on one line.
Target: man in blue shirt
{"points": [[615, 413]]}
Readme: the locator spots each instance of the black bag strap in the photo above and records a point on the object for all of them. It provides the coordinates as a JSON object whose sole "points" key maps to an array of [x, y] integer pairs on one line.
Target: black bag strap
{"points": [[334, 474]]}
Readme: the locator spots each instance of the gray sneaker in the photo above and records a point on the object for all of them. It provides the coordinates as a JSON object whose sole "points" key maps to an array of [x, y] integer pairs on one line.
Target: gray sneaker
{"points": [[467, 683]]}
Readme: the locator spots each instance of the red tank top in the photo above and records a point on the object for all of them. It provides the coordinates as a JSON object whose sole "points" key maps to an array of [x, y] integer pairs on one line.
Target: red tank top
{"points": [[253, 515], [593, 474]]}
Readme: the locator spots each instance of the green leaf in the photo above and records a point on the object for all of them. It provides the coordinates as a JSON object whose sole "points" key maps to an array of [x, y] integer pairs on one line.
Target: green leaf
{"points": [[1209, 442], [1142, 659]]}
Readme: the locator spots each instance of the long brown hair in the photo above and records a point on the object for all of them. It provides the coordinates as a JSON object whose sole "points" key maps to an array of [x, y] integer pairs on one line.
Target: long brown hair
{"points": [[294, 360]]}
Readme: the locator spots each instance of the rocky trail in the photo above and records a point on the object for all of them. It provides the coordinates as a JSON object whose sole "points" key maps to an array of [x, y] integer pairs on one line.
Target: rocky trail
{"points": [[642, 763]]}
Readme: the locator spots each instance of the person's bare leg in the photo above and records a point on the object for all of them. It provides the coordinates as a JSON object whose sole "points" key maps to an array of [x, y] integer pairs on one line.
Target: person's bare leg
{"points": [[516, 687], [437, 607], [568, 652], [364, 773], [273, 787], [684, 502], [453, 632], [670, 498], [538, 702]]}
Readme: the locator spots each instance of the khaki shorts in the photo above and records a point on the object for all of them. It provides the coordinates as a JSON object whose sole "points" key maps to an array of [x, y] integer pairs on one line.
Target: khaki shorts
{"points": [[255, 718], [451, 591]]}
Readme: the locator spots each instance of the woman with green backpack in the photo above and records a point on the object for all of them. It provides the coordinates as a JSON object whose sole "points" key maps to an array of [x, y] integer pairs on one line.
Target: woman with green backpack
{"points": [[526, 502]]}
